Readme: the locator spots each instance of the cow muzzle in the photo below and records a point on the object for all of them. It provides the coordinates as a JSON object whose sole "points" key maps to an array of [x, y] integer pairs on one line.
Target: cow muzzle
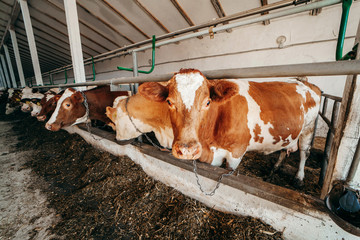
{"points": [[52, 127], [41, 118], [188, 151]]}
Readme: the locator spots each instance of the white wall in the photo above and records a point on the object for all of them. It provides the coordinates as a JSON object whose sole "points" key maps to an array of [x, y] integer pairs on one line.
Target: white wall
{"points": [[308, 39]]}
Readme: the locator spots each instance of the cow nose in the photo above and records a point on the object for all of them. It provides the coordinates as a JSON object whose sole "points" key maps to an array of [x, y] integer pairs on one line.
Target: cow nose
{"points": [[41, 118], [48, 126], [191, 150]]}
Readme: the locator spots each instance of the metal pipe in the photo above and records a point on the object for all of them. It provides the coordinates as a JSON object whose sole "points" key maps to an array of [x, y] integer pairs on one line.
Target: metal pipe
{"points": [[262, 18], [152, 60], [342, 30], [291, 70], [255, 11], [355, 164], [93, 68]]}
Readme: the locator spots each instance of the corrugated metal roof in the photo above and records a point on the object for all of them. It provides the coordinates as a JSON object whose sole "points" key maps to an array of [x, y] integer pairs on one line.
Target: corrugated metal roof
{"points": [[106, 25]]}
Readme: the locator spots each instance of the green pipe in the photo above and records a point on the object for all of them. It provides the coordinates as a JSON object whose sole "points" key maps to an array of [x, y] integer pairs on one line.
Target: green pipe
{"points": [[344, 19], [65, 77], [93, 68], [152, 63]]}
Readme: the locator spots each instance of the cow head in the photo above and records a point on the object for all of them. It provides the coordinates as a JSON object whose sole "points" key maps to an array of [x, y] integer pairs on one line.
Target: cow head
{"points": [[125, 130], [48, 107], [69, 111], [189, 96], [36, 108]]}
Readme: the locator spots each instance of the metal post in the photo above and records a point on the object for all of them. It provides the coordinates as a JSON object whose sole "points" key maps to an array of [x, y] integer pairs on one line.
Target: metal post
{"points": [[6, 73], [17, 57], [72, 22], [135, 86], [135, 72], [3, 77], [3, 81], [31, 41], [11, 70]]}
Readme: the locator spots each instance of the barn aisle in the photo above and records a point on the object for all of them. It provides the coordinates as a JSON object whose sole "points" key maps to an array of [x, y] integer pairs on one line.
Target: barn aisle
{"points": [[23, 208]]}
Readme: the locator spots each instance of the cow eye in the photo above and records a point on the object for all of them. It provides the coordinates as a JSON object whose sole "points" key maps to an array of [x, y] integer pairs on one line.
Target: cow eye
{"points": [[169, 102], [208, 103], [68, 104]]}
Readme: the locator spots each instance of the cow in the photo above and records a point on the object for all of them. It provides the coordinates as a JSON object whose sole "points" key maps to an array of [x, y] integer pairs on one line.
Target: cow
{"points": [[49, 106], [30, 95], [213, 120], [71, 107], [37, 105], [13, 101], [146, 116]]}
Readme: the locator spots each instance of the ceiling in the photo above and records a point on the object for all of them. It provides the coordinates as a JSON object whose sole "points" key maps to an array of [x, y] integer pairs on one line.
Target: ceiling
{"points": [[106, 25]]}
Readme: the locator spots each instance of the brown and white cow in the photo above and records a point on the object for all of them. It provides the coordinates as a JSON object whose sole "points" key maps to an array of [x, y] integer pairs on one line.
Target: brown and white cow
{"points": [[70, 108], [29, 98], [215, 120], [37, 106], [146, 116], [13, 101], [48, 106]]}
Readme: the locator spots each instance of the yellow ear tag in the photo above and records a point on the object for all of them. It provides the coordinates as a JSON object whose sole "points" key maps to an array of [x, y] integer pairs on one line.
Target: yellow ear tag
{"points": [[38, 103], [18, 100], [27, 102]]}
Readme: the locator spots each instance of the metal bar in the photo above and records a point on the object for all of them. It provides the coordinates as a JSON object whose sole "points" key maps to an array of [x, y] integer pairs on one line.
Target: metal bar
{"points": [[75, 40], [305, 69], [113, 53], [14, 14], [325, 105], [11, 70], [354, 165], [335, 98], [3, 76], [6, 73], [31, 41], [346, 4], [262, 18], [264, 3], [326, 120], [152, 60]]}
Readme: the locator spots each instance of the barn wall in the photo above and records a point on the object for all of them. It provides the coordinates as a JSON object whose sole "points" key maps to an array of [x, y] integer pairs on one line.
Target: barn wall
{"points": [[308, 39]]}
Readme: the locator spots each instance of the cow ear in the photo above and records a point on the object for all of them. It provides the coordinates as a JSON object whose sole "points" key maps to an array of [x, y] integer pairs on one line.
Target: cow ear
{"points": [[78, 97], [154, 91], [111, 113], [221, 90]]}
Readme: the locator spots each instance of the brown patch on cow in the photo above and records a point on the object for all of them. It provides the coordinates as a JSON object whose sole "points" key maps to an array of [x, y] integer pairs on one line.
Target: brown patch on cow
{"points": [[155, 114], [222, 90], [310, 102], [280, 106], [225, 126], [153, 91], [257, 132]]}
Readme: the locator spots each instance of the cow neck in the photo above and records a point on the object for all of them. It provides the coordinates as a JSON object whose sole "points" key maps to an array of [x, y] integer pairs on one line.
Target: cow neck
{"points": [[161, 148], [86, 105]]}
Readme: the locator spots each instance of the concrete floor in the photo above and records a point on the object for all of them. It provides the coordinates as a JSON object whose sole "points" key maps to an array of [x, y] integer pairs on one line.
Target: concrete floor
{"points": [[23, 207]]}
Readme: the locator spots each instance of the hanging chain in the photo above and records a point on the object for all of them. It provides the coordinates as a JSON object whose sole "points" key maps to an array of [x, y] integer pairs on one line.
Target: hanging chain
{"points": [[87, 123], [194, 162], [217, 184], [147, 137]]}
